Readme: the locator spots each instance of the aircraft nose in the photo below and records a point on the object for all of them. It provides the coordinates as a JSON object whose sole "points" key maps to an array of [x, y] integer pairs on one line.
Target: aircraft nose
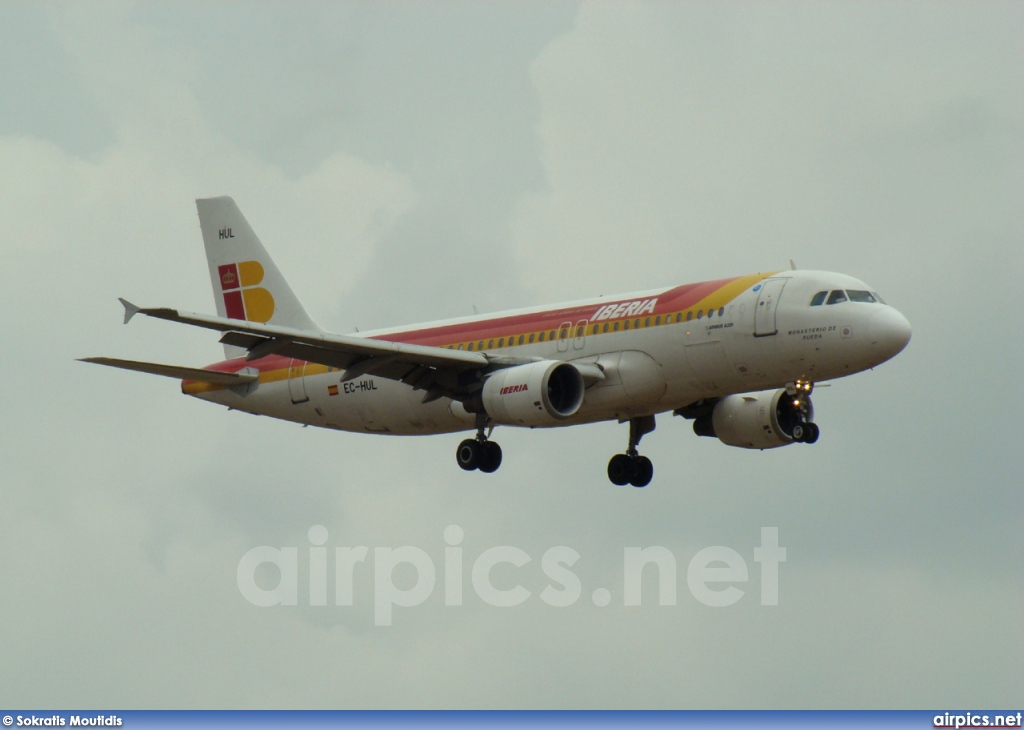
{"points": [[889, 332]]}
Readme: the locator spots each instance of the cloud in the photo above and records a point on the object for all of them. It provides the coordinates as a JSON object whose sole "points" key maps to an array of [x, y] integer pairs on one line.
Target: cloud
{"points": [[511, 156], [673, 140]]}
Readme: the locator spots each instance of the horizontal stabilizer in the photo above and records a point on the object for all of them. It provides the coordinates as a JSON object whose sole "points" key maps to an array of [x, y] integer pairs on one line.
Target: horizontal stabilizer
{"points": [[174, 371]]}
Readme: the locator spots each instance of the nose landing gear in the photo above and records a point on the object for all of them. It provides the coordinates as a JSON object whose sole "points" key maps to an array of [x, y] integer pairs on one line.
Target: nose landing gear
{"points": [[804, 431], [631, 467]]}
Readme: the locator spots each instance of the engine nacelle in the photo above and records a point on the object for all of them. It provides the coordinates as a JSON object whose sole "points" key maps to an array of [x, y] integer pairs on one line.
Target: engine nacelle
{"points": [[764, 420], [538, 394]]}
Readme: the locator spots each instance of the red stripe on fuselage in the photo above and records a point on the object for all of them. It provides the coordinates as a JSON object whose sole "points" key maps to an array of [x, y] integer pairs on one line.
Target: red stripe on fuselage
{"points": [[671, 300]]}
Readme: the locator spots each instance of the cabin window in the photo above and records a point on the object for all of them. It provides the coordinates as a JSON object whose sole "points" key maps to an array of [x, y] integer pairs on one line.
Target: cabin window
{"points": [[647, 322], [521, 339], [721, 311], [605, 327], [596, 328], [531, 337], [657, 320], [615, 327], [581, 330], [490, 344], [819, 299], [480, 345], [470, 345], [563, 334], [689, 315], [625, 325], [541, 337], [552, 334], [700, 314], [501, 342]]}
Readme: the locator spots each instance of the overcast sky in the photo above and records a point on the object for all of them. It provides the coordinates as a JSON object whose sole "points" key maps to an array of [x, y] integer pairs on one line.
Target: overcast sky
{"points": [[409, 161]]}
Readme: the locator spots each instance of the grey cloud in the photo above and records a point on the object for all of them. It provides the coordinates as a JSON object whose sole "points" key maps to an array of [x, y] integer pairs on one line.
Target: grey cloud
{"points": [[498, 156]]}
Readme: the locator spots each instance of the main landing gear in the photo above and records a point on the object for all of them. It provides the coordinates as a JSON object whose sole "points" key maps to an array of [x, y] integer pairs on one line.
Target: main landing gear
{"points": [[479, 453], [631, 468]]}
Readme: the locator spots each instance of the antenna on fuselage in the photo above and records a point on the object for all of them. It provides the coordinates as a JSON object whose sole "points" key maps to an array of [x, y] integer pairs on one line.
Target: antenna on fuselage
{"points": [[792, 266]]}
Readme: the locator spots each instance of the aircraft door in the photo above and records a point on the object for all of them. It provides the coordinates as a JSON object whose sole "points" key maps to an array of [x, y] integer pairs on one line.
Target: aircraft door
{"points": [[580, 338], [564, 332], [296, 381], [767, 302]]}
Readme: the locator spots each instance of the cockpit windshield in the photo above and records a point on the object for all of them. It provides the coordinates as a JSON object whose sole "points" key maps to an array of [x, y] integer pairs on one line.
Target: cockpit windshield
{"points": [[838, 296]]}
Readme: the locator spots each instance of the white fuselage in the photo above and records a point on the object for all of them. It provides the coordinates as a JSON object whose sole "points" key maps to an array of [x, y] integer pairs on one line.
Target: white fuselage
{"points": [[762, 333]]}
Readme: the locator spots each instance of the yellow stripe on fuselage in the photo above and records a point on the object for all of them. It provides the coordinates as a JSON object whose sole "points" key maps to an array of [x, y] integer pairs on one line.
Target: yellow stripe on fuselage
{"points": [[712, 302], [196, 387]]}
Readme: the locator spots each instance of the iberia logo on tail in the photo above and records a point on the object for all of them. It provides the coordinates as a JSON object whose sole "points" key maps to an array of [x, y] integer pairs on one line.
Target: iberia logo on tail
{"points": [[242, 298]]}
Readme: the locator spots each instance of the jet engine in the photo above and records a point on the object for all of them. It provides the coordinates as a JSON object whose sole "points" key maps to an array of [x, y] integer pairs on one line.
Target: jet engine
{"points": [[763, 420], [538, 394]]}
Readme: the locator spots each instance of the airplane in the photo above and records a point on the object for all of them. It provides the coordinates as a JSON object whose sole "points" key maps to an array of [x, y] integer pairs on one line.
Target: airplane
{"points": [[738, 356]]}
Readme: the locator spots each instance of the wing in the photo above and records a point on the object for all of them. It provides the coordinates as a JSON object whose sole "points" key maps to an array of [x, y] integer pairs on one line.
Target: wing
{"points": [[437, 370]]}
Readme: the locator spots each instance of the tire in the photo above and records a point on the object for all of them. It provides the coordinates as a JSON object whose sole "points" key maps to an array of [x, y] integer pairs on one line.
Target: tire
{"points": [[490, 457], [799, 432], [468, 454], [620, 469], [643, 472], [812, 434]]}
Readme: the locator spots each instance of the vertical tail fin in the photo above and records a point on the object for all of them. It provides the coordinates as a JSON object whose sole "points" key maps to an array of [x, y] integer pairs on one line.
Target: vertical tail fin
{"points": [[247, 284]]}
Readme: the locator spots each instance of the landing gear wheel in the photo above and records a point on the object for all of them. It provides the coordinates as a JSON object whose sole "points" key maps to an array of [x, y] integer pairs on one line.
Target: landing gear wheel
{"points": [[643, 471], [479, 454], [620, 470], [631, 468], [468, 454], [490, 457], [806, 433]]}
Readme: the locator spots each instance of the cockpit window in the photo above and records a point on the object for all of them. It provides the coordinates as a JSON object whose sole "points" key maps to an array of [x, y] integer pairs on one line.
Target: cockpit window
{"points": [[877, 298], [837, 296], [860, 296], [819, 298]]}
